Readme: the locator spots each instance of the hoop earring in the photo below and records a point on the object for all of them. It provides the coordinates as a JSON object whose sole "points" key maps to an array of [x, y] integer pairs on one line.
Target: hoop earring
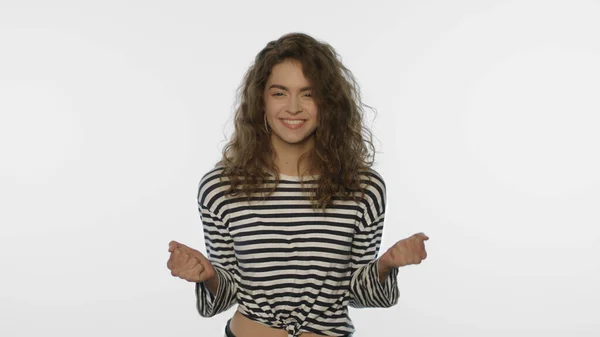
{"points": [[266, 125]]}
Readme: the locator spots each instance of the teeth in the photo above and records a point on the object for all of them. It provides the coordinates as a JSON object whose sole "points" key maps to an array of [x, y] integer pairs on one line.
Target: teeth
{"points": [[288, 121]]}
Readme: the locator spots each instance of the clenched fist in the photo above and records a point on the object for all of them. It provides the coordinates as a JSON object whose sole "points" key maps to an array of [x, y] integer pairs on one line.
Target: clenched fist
{"points": [[404, 252], [189, 264]]}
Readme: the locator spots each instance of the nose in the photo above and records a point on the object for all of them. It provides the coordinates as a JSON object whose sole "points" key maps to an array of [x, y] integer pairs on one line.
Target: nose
{"points": [[294, 105]]}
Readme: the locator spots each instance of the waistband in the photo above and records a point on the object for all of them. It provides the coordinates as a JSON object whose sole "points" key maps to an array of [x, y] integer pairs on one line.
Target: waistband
{"points": [[228, 332]]}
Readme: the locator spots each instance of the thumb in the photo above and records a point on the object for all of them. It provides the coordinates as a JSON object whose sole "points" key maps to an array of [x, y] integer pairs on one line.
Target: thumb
{"points": [[423, 236], [191, 251], [173, 245]]}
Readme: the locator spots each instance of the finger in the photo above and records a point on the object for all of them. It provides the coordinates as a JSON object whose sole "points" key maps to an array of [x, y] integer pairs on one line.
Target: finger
{"points": [[192, 275], [189, 275], [422, 236], [199, 256], [190, 264], [179, 258], [417, 245], [177, 270], [173, 245], [184, 247], [172, 262], [184, 256], [193, 252]]}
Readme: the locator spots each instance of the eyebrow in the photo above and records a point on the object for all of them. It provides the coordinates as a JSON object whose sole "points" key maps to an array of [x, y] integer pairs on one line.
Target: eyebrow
{"points": [[286, 88]]}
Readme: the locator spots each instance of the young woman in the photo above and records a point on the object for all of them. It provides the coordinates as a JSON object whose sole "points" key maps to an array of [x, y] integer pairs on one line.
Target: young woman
{"points": [[293, 213]]}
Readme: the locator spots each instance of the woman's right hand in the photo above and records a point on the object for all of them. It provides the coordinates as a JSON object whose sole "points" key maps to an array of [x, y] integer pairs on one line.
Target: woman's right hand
{"points": [[189, 264]]}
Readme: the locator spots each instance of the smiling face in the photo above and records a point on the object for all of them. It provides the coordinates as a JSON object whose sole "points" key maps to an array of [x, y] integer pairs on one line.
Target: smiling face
{"points": [[290, 108]]}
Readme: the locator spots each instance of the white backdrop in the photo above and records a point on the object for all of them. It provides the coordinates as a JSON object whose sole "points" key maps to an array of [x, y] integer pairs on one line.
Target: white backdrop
{"points": [[487, 127]]}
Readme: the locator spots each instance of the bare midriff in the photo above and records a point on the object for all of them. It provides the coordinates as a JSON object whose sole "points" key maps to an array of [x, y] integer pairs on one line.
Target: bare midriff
{"points": [[242, 326]]}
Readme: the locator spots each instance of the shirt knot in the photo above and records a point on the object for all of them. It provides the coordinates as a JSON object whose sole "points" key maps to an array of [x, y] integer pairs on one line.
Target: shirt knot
{"points": [[293, 328]]}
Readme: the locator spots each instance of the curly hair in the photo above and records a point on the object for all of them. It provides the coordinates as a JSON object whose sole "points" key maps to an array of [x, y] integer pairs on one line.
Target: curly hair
{"points": [[343, 144]]}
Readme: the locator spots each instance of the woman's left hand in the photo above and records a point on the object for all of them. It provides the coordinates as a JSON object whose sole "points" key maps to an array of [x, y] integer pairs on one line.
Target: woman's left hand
{"points": [[405, 252]]}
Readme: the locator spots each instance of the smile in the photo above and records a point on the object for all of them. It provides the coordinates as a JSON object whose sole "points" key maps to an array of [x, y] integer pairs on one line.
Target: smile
{"points": [[292, 123]]}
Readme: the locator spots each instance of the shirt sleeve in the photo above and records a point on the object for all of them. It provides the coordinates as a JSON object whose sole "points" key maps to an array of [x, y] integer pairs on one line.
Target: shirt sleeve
{"points": [[366, 291], [219, 248]]}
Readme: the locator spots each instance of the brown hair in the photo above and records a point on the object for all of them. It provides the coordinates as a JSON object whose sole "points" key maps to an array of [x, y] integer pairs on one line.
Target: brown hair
{"points": [[343, 145]]}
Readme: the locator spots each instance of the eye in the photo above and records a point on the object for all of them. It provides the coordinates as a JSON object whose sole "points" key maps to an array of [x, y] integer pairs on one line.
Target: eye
{"points": [[279, 94]]}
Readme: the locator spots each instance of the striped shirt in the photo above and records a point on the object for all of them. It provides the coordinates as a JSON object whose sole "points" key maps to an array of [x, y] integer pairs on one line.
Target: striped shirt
{"points": [[289, 266]]}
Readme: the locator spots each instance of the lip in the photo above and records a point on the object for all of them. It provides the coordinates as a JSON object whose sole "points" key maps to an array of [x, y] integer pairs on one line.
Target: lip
{"points": [[290, 126]]}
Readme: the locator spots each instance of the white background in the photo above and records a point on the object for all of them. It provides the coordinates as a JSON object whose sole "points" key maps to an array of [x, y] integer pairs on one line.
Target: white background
{"points": [[487, 126]]}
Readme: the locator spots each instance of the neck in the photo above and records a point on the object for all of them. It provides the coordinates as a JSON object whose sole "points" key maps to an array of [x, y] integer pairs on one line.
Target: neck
{"points": [[287, 156]]}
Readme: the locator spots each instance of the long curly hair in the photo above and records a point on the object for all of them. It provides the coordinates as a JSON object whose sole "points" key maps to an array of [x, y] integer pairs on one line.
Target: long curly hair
{"points": [[343, 144]]}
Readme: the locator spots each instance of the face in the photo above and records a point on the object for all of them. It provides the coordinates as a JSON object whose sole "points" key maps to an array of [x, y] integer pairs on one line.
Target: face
{"points": [[290, 108]]}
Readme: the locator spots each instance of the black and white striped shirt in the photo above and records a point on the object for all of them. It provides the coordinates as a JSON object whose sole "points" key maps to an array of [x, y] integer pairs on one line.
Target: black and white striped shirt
{"points": [[289, 266]]}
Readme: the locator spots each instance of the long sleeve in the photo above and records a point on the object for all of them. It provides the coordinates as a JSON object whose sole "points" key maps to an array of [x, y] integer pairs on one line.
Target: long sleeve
{"points": [[220, 252], [365, 288]]}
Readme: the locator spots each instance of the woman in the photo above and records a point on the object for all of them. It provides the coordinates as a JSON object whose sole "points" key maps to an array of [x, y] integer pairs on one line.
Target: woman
{"points": [[293, 213]]}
